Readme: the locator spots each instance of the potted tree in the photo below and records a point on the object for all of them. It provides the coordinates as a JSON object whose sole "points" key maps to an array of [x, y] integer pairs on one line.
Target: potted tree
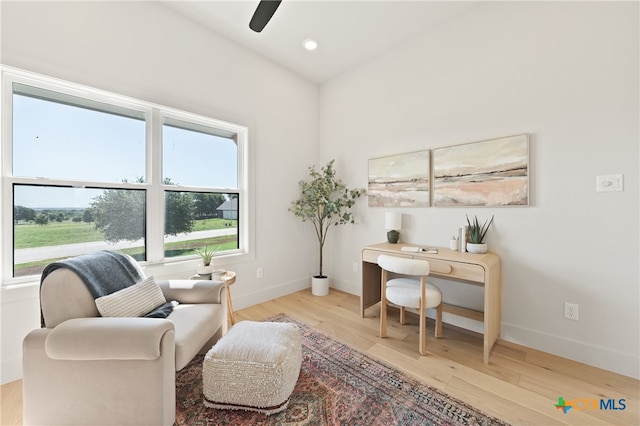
{"points": [[477, 234], [324, 201]]}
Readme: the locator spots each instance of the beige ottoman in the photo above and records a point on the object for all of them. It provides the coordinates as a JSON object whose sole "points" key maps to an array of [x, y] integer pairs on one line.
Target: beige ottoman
{"points": [[255, 366]]}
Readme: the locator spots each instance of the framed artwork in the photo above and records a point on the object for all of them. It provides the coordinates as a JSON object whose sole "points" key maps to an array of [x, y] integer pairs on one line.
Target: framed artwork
{"points": [[400, 180], [488, 173]]}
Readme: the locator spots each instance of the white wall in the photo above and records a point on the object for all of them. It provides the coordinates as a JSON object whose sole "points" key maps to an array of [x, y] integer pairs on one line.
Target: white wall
{"points": [[567, 74], [146, 51]]}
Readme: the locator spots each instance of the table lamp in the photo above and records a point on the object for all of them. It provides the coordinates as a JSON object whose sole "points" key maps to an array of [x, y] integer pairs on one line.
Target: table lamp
{"points": [[392, 223]]}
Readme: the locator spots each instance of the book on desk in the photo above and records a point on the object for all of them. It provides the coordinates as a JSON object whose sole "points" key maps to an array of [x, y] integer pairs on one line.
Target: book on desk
{"points": [[414, 249]]}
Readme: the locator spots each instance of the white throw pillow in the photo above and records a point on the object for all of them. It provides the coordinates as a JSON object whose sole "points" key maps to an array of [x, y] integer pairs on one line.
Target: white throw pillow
{"points": [[134, 301]]}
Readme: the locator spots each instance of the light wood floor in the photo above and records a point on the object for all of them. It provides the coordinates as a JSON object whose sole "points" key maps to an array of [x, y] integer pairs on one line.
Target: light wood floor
{"points": [[519, 385]]}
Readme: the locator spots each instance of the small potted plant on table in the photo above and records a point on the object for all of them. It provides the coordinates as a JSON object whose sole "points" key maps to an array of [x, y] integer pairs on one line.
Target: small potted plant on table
{"points": [[207, 267], [477, 234]]}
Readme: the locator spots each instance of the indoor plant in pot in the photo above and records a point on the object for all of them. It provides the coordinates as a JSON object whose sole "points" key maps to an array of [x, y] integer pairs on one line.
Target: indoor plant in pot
{"points": [[324, 201], [206, 267], [477, 234]]}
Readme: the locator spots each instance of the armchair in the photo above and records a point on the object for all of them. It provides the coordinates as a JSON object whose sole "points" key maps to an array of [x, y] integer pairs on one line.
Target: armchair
{"points": [[84, 369]]}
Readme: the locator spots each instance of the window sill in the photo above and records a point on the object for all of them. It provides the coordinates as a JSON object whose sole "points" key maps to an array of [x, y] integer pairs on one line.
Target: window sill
{"points": [[180, 269]]}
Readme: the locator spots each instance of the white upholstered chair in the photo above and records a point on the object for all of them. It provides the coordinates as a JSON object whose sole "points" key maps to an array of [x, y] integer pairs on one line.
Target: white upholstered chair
{"points": [[85, 369], [409, 292]]}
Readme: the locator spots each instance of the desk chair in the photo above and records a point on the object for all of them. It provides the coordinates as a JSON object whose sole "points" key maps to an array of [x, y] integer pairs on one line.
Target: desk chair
{"points": [[409, 293]]}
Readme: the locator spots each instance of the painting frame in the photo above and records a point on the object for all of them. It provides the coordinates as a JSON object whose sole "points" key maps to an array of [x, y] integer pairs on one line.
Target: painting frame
{"points": [[400, 180], [487, 173]]}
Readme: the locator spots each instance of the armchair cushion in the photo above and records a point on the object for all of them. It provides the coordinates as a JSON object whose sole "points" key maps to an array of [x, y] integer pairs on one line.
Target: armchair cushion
{"points": [[134, 301], [195, 325]]}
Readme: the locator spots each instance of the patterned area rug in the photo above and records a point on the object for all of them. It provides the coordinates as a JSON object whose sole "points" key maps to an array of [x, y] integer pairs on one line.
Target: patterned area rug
{"points": [[337, 386]]}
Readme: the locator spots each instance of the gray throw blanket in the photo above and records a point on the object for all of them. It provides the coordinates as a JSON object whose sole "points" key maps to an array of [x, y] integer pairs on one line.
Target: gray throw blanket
{"points": [[103, 273]]}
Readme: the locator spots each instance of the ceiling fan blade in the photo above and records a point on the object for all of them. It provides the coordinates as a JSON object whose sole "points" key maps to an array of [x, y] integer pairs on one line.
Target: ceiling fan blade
{"points": [[263, 13]]}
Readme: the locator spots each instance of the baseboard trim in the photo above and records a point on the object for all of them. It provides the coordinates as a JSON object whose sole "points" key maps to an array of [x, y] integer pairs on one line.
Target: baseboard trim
{"points": [[596, 356], [263, 295], [346, 286], [600, 357]]}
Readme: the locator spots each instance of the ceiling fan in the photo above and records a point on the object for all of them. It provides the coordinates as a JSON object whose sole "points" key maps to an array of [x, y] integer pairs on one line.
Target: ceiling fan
{"points": [[263, 13]]}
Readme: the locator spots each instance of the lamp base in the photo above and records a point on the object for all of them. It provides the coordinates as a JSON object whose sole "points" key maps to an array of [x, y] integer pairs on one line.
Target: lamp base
{"points": [[392, 236]]}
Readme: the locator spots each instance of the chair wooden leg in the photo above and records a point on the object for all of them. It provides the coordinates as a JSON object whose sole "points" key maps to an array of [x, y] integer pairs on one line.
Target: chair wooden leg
{"points": [[423, 335], [423, 319], [383, 304], [438, 331], [403, 315]]}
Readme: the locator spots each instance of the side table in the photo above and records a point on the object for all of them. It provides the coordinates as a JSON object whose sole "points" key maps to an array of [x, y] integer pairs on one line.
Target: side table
{"points": [[229, 278]]}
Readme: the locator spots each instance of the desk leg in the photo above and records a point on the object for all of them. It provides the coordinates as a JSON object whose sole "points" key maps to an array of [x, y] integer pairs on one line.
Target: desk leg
{"points": [[492, 309], [230, 305], [370, 294]]}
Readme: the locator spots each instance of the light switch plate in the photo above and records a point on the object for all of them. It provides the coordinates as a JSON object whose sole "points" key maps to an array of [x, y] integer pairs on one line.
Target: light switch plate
{"points": [[609, 183]]}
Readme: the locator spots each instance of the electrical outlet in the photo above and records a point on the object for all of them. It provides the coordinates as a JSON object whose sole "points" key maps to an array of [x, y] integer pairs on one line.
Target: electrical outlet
{"points": [[571, 311], [259, 273], [355, 266]]}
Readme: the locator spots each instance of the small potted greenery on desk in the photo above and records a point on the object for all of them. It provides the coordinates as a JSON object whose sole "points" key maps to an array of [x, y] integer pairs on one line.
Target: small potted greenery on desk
{"points": [[477, 234]]}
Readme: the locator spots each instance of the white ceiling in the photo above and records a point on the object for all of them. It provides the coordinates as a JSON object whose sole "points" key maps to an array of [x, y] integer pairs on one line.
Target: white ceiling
{"points": [[348, 32]]}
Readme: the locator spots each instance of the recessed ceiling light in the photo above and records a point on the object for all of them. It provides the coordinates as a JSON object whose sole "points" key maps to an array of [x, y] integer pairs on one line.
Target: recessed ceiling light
{"points": [[310, 44]]}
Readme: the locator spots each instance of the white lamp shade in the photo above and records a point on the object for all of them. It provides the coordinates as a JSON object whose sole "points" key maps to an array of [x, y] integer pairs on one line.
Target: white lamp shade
{"points": [[393, 221]]}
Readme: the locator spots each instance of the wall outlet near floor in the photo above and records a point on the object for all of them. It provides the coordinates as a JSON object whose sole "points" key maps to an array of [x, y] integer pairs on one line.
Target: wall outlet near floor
{"points": [[571, 311], [355, 266], [259, 272]]}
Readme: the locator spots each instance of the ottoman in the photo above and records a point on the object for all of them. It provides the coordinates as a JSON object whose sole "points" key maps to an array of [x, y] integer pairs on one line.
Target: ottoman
{"points": [[255, 366]]}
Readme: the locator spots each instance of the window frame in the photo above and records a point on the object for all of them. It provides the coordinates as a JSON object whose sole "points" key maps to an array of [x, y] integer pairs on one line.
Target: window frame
{"points": [[155, 117]]}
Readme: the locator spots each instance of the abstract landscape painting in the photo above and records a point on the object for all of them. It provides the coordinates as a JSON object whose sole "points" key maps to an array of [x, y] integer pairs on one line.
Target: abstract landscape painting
{"points": [[399, 180], [487, 173]]}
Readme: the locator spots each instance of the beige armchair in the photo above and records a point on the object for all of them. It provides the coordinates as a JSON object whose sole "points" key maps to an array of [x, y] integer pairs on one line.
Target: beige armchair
{"points": [[84, 369]]}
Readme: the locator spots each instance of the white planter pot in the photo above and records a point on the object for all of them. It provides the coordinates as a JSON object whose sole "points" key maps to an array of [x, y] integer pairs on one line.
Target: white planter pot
{"points": [[477, 248], [205, 269], [320, 286]]}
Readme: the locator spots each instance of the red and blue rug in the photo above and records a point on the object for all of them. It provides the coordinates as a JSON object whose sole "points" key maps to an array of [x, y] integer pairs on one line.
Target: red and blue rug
{"points": [[338, 385]]}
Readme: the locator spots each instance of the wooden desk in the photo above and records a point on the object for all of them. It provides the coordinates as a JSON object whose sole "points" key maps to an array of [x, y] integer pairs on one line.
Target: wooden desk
{"points": [[474, 269]]}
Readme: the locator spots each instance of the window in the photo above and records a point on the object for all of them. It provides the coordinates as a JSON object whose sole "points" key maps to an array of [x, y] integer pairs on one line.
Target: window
{"points": [[195, 155], [186, 145], [56, 136], [87, 170], [214, 223], [54, 222]]}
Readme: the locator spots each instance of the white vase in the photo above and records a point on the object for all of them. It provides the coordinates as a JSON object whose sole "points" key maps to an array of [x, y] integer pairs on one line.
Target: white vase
{"points": [[320, 286], [477, 248]]}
